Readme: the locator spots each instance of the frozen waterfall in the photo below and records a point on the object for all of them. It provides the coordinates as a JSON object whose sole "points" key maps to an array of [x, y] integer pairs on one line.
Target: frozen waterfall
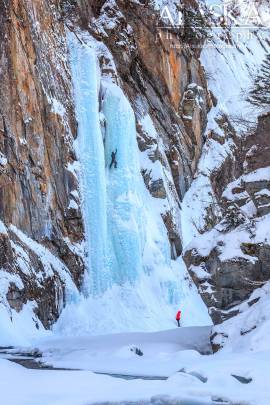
{"points": [[112, 197], [131, 281]]}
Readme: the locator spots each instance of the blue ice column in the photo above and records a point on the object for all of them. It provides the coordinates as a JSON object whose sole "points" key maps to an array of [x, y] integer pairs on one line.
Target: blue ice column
{"points": [[112, 198], [126, 225], [90, 150]]}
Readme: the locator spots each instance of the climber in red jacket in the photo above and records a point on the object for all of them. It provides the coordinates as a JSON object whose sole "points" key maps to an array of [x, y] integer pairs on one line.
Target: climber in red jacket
{"points": [[178, 317]]}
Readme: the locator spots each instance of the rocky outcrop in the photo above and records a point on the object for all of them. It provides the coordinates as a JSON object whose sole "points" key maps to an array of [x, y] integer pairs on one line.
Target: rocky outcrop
{"points": [[257, 146], [31, 274], [193, 113], [231, 260], [226, 280]]}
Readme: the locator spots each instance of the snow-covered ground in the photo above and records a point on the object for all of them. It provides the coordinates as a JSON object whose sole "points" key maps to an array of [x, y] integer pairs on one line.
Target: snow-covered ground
{"points": [[83, 387], [193, 378], [162, 351]]}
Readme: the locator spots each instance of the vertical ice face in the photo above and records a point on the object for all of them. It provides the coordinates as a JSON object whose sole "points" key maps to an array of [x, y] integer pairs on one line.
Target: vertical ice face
{"points": [[85, 78], [124, 186], [112, 201]]}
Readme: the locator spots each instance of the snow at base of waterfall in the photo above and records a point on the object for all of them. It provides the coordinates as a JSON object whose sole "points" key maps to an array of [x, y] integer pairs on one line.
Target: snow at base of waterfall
{"points": [[136, 307]]}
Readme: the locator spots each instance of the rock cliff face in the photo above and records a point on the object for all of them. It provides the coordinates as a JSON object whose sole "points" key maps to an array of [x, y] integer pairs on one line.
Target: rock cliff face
{"points": [[227, 206], [38, 188], [42, 229], [228, 252], [231, 260]]}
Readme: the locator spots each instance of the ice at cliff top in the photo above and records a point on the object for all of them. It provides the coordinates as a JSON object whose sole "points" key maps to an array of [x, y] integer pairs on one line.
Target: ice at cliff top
{"points": [[131, 283]]}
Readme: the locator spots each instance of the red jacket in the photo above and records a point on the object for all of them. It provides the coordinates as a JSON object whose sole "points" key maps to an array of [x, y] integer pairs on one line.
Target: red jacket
{"points": [[178, 316]]}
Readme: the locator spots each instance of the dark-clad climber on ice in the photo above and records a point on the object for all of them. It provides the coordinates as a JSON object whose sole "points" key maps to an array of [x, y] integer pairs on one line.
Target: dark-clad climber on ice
{"points": [[114, 161], [178, 318]]}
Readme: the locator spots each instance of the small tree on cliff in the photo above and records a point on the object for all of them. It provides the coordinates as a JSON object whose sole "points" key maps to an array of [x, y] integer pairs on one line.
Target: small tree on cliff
{"points": [[196, 26], [259, 94]]}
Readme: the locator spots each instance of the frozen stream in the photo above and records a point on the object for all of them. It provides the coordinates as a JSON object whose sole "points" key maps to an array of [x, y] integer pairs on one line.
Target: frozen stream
{"points": [[145, 355]]}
